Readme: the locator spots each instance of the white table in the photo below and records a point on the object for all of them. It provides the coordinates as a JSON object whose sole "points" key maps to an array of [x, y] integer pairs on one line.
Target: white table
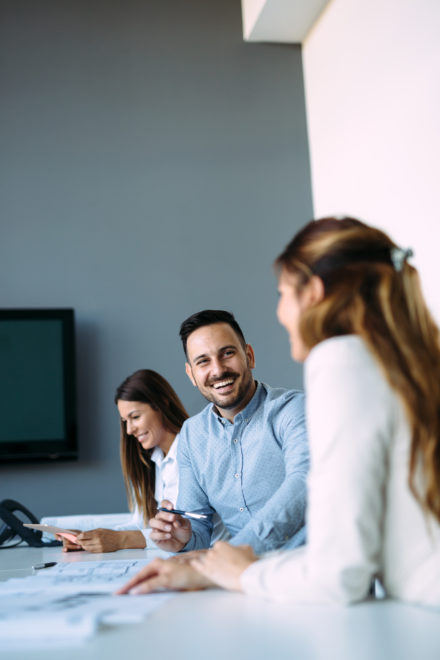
{"points": [[214, 625]]}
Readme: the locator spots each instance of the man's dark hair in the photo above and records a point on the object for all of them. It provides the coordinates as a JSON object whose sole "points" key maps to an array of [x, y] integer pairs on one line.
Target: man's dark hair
{"points": [[208, 317]]}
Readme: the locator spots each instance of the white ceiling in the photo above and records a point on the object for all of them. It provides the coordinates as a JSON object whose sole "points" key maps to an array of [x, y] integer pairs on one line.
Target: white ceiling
{"points": [[286, 21]]}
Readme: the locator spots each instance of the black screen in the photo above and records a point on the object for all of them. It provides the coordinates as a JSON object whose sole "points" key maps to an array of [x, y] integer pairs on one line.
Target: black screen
{"points": [[37, 386]]}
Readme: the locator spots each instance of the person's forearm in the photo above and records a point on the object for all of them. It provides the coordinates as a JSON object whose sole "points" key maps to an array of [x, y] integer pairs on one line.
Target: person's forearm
{"points": [[201, 536], [131, 538], [278, 521]]}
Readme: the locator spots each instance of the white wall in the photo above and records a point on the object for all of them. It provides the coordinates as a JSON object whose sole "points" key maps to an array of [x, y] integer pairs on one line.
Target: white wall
{"points": [[372, 78]]}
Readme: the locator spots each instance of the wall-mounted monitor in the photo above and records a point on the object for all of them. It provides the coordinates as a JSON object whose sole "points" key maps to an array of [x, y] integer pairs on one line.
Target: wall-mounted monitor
{"points": [[37, 385]]}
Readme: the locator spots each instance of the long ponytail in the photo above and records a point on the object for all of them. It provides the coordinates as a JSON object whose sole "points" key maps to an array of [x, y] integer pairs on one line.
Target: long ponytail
{"points": [[370, 293]]}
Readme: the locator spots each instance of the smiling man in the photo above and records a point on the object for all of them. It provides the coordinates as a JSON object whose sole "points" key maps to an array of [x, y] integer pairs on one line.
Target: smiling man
{"points": [[245, 456]]}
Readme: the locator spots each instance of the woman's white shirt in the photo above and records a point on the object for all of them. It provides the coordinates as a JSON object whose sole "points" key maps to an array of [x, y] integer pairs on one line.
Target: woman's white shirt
{"points": [[167, 488], [362, 519]]}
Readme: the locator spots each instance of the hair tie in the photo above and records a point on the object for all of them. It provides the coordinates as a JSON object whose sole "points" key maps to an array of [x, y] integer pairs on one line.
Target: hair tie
{"points": [[399, 256]]}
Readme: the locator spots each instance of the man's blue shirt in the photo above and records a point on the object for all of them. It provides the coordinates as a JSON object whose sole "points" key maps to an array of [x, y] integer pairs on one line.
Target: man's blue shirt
{"points": [[252, 472]]}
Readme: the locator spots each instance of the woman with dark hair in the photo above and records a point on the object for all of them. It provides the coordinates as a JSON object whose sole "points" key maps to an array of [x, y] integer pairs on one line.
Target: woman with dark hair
{"points": [[352, 306], [151, 416]]}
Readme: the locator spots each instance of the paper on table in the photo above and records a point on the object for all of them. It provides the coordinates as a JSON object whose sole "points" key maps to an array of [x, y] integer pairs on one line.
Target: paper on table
{"points": [[71, 577], [55, 617], [26, 617], [88, 521], [65, 604]]}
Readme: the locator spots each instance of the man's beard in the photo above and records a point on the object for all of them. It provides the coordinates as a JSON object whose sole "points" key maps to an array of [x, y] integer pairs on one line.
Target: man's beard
{"points": [[224, 402]]}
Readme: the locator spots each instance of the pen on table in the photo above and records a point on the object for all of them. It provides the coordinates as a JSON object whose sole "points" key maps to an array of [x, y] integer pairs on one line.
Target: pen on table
{"points": [[184, 514], [46, 564]]}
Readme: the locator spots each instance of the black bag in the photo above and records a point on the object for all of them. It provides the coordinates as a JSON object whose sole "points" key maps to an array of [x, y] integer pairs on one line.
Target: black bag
{"points": [[13, 526]]}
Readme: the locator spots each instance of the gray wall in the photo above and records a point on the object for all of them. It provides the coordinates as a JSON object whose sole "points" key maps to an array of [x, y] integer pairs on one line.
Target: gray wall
{"points": [[153, 164]]}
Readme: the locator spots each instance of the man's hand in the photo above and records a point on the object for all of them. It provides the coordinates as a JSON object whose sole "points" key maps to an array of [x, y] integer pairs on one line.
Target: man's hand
{"points": [[224, 564], [172, 574], [169, 531]]}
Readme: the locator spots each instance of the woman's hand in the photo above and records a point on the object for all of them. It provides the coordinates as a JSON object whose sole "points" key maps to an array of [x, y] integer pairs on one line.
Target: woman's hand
{"points": [[68, 546], [173, 574], [224, 564], [106, 540]]}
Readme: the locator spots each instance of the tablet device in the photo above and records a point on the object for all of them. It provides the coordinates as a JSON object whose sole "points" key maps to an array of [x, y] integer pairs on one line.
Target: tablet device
{"points": [[51, 529]]}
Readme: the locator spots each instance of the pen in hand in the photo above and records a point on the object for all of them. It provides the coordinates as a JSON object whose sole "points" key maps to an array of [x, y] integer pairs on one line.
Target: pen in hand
{"points": [[184, 514]]}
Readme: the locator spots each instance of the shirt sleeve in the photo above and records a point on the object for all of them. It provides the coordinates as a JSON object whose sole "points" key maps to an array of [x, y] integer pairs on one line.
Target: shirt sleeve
{"points": [[192, 497], [281, 519], [349, 427], [136, 522]]}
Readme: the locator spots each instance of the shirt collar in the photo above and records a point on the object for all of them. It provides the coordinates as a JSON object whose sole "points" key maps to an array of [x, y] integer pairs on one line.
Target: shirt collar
{"points": [[157, 455], [248, 410]]}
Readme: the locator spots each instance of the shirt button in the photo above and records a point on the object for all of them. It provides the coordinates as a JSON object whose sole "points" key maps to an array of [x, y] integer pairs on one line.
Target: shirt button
{"points": [[235, 440], [236, 475], [241, 508]]}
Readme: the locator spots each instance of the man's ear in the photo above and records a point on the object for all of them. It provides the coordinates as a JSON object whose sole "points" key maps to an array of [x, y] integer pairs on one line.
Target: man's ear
{"points": [[250, 356], [189, 373]]}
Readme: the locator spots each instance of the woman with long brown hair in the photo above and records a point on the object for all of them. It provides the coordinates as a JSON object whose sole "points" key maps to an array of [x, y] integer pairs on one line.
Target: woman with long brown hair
{"points": [[151, 416], [352, 306]]}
